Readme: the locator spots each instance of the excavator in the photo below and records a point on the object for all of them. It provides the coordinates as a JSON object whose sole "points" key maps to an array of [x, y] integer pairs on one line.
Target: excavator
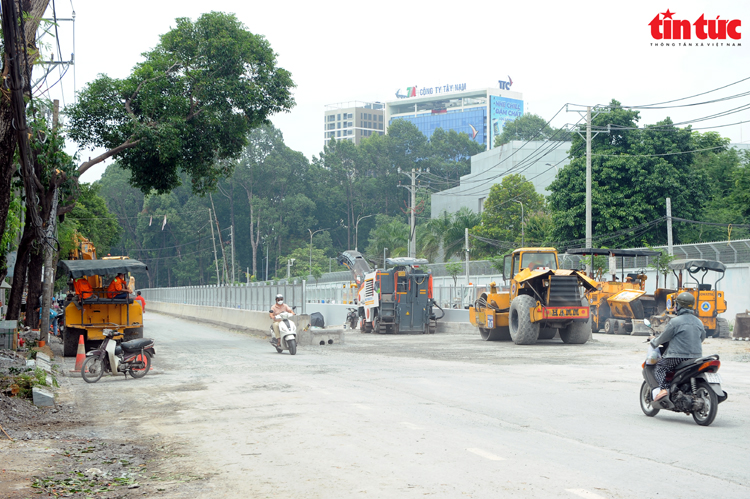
{"points": [[395, 300]]}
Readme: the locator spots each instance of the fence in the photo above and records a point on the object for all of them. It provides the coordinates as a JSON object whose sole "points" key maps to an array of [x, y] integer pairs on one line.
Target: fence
{"points": [[260, 297]]}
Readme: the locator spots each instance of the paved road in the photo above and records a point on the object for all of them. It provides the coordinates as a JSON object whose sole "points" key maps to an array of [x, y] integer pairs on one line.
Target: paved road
{"points": [[410, 416]]}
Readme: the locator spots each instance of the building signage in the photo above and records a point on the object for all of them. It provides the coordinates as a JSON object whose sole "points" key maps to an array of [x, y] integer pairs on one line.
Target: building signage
{"points": [[502, 110], [426, 91], [505, 85]]}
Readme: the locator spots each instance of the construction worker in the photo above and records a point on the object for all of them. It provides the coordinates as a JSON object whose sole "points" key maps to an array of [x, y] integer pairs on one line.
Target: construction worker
{"points": [[276, 309], [141, 300], [118, 288], [83, 288]]}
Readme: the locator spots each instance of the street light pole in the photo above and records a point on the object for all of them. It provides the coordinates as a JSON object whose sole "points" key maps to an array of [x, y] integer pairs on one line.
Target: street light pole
{"points": [[522, 231], [384, 250], [356, 229], [311, 236]]}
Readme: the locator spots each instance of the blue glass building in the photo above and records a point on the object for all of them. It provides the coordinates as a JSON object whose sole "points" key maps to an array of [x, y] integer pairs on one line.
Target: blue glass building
{"points": [[480, 114]]}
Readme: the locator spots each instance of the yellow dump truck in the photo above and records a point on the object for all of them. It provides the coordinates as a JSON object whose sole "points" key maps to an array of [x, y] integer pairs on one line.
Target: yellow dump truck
{"points": [[90, 315], [542, 301], [709, 301]]}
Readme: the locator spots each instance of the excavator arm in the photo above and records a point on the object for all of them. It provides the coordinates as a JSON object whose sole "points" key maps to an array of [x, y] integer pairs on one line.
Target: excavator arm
{"points": [[356, 263]]}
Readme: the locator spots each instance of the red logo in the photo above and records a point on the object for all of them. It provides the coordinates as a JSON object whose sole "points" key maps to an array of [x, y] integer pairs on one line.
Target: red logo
{"points": [[665, 27]]}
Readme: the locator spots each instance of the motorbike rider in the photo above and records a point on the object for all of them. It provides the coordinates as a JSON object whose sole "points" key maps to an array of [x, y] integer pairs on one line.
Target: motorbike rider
{"points": [[685, 333], [276, 309]]}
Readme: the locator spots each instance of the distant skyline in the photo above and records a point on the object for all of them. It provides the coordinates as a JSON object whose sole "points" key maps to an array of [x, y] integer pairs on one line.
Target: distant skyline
{"points": [[584, 52]]}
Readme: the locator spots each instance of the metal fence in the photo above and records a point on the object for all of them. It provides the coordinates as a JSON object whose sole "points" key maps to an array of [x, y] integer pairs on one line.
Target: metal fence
{"points": [[260, 297]]}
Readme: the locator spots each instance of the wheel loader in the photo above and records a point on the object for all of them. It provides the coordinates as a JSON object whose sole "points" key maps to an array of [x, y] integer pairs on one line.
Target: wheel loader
{"points": [[543, 300]]}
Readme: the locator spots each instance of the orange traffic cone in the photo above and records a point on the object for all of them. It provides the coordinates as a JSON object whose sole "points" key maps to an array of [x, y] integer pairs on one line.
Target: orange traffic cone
{"points": [[80, 355]]}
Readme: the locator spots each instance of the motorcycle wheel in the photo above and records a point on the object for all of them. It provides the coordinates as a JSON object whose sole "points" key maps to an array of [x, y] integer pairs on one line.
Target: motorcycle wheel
{"points": [[292, 344], [646, 406], [92, 369], [706, 416], [137, 372]]}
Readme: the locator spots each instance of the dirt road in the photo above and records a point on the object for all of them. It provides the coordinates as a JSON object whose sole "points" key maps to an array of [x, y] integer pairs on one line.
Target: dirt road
{"points": [[407, 416]]}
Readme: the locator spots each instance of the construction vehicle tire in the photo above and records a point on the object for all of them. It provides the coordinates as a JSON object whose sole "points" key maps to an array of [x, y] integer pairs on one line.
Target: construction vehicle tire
{"points": [[70, 340], [522, 330], [609, 326], [722, 329], [577, 333], [547, 333], [495, 334]]}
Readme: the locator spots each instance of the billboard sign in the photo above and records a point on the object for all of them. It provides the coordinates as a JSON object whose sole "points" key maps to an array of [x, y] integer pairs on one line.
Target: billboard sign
{"points": [[502, 110]]}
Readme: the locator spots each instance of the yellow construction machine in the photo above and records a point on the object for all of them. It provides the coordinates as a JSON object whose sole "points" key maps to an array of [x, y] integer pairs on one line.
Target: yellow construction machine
{"points": [[542, 300], [90, 315], [618, 306], [709, 301]]}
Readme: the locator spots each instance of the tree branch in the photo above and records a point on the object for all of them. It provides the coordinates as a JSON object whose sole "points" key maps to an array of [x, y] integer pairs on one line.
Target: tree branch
{"points": [[140, 85], [112, 152]]}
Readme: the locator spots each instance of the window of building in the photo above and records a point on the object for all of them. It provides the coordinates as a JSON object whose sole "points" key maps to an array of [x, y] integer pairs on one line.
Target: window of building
{"points": [[481, 205], [338, 134], [380, 117], [338, 125]]}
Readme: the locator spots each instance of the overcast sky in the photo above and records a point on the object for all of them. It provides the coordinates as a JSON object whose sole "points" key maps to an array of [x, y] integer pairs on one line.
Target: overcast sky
{"points": [[556, 52]]}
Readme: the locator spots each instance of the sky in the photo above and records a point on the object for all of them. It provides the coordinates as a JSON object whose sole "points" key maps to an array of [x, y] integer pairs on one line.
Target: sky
{"points": [[579, 52]]}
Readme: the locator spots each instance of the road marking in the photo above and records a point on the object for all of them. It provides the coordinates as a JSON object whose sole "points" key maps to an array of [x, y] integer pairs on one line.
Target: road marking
{"points": [[584, 493], [486, 455], [411, 426]]}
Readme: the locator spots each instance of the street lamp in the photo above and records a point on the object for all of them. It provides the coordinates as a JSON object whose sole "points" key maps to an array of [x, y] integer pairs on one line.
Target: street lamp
{"points": [[289, 264], [522, 231], [356, 229], [311, 236]]}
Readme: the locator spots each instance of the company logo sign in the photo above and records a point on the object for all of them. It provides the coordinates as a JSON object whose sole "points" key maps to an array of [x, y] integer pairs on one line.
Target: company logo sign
{"points": [[505, 85], [474, 131], [705, 306], [666, 27], [440, 89]]}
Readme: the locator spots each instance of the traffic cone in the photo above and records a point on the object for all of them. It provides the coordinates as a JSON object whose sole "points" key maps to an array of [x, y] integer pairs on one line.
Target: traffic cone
{"points": [[80, 355]]}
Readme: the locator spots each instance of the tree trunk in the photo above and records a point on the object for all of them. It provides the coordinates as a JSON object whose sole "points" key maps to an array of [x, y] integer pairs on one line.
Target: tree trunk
{"points": [[19, 272], [36, 263]]}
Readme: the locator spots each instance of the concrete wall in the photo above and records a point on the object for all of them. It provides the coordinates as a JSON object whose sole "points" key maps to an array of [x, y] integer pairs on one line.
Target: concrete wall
{"points": [[226, 317]]}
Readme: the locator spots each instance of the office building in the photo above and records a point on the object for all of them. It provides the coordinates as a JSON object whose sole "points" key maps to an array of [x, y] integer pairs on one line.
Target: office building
{"points": [[353, 121], [479, 113], [538, 161]]}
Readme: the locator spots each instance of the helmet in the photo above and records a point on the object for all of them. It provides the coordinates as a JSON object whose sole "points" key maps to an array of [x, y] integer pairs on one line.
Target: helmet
{"points": [[279, 297], [685, 300]]}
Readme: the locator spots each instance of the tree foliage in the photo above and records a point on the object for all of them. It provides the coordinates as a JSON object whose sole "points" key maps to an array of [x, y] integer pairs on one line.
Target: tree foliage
{"points": [[187, 106], [530, 127]]}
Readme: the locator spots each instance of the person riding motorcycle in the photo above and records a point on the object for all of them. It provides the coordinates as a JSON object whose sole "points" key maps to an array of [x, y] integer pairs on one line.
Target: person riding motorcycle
{"points": [[684, 333], [276, 309]]}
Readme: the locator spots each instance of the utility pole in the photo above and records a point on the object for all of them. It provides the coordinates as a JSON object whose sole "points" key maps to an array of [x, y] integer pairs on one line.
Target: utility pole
{"points": [[670, 247], [213, 239], [413, 208], [466, 237], [589, 225], [384, 250], [231, 233], [221, 243], [48, 286], [522, 230]]}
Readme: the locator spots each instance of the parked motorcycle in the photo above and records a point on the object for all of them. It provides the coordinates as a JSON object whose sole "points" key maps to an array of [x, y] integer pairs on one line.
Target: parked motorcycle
{"points": [[287, 332], [695, 388], [131, 357], [352, 318]]}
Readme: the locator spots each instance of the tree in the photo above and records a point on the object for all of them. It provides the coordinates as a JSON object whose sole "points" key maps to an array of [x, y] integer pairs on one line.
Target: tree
{"points": [[506, 202], [391, 233], [633, 171], [191, 102], [92, 219], [530, 127], [454, 269]]}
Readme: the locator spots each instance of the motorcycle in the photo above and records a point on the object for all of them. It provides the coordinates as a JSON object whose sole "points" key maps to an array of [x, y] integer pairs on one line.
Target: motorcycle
{"points": [[695, 388], [131, 357], [287, 332], [352, 318]]}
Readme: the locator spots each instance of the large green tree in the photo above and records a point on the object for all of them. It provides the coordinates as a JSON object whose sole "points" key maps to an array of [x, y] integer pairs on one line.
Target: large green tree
{"points": [[190, 103], [530, 127], [633, 171], [507, 201]]}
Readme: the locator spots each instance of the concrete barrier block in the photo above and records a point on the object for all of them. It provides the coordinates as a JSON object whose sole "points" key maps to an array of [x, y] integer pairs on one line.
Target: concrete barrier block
{"points": [[321, 337], [43, 398], [43, 356]]}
